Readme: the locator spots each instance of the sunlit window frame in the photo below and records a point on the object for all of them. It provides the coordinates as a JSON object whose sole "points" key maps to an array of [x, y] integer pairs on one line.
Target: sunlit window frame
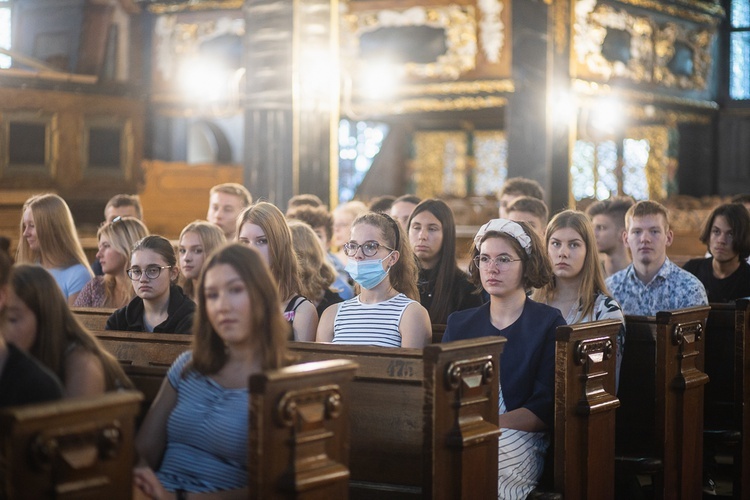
{"points": [[6, 4], [727, 41]]}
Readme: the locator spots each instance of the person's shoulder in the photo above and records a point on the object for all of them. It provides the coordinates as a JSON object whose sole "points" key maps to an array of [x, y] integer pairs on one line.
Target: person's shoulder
{"points": [[24, 370], [693, 265], [468, 315], [538, 312], [619, 276]]}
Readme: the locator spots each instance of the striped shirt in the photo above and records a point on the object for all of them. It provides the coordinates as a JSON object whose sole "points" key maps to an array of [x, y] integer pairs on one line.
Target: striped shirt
{"points": [[206, 434], [370, 324]]}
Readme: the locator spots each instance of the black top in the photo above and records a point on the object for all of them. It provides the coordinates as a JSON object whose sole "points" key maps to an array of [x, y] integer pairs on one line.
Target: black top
{"points": [[329, 298], [25, 381], [733, 287], [463, 294], [179, 320]]}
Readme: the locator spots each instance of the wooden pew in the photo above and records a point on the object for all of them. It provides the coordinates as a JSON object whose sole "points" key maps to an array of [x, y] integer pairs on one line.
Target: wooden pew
{"points": [[93, 318], [660, 420], [74, 448], [424, 422], [727, 396], [584, 436], [145, 357], [299, 431]]}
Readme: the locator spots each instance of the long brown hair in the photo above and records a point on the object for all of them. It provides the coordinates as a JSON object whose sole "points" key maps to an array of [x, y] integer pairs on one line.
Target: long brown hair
{"points": [[267, 322], [59, 245], [592, 277], [316, 273], [211, 236], [403, 275], [281, 257], [57, 327]]}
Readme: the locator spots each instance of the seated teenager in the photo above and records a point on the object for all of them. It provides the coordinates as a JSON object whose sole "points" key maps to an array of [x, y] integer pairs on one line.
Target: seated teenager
{"points": [[49, 238], [508, 258], [193, 441], [726, 274], [386, 312], [114, 288], [443, 287], [160, 306], [197, 240], [23, 380], [264, 227], [577, 288], [39, 321]]}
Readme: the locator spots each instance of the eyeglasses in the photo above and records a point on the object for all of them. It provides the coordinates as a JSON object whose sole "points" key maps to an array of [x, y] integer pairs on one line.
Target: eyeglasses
{"points": [[502, 262], [151, 272], [369, 248]]}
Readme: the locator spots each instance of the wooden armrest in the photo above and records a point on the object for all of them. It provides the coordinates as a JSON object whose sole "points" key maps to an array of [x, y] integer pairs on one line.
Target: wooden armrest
{"points": [[639, 465], [722, 436]]}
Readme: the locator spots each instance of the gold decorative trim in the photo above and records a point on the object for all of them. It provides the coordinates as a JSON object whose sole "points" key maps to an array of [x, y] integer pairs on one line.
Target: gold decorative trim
{"points": [[429, 105], [458, 21], [591, 25], [561, 12], [473, 87], [712, 16], [193, 5], [593, 88], [656, 165], [699, 43]]}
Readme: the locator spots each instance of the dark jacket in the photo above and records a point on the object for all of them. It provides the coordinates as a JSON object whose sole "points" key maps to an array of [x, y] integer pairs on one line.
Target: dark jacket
{"points": [[179, 320]]}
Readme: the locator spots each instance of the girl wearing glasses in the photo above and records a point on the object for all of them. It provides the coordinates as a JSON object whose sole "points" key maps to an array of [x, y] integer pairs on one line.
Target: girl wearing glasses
{"points": [[264, 227], [386, 312], [577, 288], [48, 237], [195, 435], [197, 240], [443, 287], [114, 289], [159, 306], [508, 258], [39, 321]]}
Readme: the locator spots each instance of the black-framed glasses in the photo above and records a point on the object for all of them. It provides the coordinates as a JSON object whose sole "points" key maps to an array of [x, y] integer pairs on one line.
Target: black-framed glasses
{"points": [[151, 272], [369, 248], [501, 262]]}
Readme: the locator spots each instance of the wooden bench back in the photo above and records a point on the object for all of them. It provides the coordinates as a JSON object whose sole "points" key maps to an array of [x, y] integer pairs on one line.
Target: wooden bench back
{"points": [[299, 431], [661, 394], [93, 318], [585, 404], [424, 422], [727, 395], [74, 448]]}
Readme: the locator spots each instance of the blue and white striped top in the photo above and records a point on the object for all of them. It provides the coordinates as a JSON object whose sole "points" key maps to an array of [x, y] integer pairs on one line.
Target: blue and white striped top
{"points": [[370, 324], [206, 434]]}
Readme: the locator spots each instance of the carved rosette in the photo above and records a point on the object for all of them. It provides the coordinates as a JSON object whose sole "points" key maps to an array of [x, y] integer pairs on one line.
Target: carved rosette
{"points": [[309, 406], [472, 373], [593, 350]]}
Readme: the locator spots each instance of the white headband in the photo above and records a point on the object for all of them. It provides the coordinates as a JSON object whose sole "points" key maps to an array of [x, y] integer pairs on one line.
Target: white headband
{"points": [[504, 226]]}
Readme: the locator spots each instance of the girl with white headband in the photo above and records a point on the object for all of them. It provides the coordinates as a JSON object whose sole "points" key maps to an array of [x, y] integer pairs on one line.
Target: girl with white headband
{"points": [[507, 259], [386, 312]]}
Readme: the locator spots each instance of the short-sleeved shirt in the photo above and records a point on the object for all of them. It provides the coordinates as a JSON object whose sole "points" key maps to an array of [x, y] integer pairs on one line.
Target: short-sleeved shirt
{"points": [[671, 288], [206, 433], [71, 279], [733, 287], [527, 370], [370, 324]]}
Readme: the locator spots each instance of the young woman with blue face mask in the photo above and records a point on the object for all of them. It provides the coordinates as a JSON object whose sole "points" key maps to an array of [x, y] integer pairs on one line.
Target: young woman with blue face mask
{"points": [[386, 312]]}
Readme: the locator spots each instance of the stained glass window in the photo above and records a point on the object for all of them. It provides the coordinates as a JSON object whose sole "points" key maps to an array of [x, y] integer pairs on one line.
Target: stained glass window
{"points": [[594, 175], [634, 179], [739, 50], [359, 143], [491, 162]]}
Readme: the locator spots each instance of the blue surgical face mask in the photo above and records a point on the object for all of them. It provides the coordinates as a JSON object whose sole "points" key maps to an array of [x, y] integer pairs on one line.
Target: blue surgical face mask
{"points": [[367, 273]]}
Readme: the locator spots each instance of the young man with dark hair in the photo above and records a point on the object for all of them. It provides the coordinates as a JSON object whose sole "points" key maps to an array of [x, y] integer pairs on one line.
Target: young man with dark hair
{"points": [[514, 188], [532, 211], [123, 205], [608, 219], [652, 283], [402, 208]]}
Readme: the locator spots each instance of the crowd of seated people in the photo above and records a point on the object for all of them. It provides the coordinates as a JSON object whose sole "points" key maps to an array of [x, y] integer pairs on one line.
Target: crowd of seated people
{"points": [[382, 275]]}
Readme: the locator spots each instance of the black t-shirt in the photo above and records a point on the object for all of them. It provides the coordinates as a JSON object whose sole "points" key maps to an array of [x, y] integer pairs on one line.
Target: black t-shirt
{"points": [[733, 287], [25, 381]]}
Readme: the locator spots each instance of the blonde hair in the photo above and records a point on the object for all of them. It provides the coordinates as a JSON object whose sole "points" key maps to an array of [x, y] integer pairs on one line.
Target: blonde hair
{"points": [[281, 257], [211, 236], [122, 234], [592, 279], [59, 245], [316, 273]]}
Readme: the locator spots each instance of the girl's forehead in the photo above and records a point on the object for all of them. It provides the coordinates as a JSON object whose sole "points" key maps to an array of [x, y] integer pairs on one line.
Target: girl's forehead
{"points": [[366, 231], [497, 245], [147, 256]]}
